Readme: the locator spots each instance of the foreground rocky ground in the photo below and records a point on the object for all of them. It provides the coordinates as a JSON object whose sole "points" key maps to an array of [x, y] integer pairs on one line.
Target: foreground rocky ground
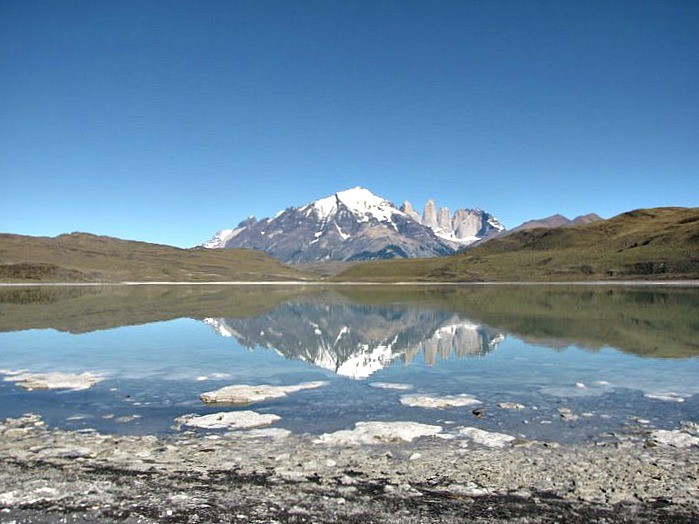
{"points": [[272, 476]]}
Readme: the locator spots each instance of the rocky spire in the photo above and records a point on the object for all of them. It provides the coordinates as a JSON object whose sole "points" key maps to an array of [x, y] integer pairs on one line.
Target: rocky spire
{"points": [[408, 209], [444, 219], [429, 217]]}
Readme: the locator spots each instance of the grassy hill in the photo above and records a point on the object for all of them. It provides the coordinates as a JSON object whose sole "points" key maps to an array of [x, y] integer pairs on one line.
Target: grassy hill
{"points": [[660, 243], [82, 257]]}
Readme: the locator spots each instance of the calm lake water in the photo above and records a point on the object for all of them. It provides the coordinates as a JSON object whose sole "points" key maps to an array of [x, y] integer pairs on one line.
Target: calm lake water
{"points": [[611, 355]]}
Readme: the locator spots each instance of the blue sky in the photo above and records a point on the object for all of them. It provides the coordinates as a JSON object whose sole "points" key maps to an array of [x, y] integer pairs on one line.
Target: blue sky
{"points": [[167, 120]]}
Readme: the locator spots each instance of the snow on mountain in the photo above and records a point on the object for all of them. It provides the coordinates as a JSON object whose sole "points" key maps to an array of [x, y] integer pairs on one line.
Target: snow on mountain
{"points": [[219, 239], [360, 201], [356, 224]]}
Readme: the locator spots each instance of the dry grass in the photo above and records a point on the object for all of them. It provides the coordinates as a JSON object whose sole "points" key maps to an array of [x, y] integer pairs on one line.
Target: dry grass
{"points": [[82, 257]]}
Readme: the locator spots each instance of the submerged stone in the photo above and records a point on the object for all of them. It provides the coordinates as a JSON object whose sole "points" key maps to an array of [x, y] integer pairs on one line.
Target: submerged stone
{"points": [[667, 397], [391, 385], [510, 405]]}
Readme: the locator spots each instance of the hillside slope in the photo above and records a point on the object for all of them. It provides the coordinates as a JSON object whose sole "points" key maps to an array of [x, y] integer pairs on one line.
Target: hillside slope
{"points": [[83, 257], [659, 243]]}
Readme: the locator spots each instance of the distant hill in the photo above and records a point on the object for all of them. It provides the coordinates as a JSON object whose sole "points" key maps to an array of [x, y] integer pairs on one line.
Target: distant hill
{"points": [[83, 257], [660, 243], [556, 221], [553, 221]]}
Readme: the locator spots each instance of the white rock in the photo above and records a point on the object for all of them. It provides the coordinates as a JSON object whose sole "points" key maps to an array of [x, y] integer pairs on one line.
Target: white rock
{"points": [[675, 438], [470, 489], [229, 420], [391, 385], [56, 380], [690, 427], [447, 401], [244, 394], [667, 397], [16, 498], [379, 433], [486, 438]]}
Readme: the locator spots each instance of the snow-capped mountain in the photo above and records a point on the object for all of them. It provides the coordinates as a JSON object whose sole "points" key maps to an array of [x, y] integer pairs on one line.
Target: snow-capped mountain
{"points": [[357, 225], [356, 341]]}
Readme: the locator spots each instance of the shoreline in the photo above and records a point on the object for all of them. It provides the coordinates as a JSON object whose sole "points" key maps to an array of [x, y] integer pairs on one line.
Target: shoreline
{"points": [[631, 283], [242, 476]]}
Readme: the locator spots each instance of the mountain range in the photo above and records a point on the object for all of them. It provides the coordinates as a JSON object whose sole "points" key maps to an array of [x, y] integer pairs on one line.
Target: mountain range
{"points": [[556, 221], [551, 222], [357, 225]]}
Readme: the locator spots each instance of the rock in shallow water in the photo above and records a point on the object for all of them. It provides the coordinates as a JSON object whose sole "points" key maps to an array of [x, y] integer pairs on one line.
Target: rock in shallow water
{"points": [[674, 438], [448, 401], [228, 420], [245, 394], [56, 380]]}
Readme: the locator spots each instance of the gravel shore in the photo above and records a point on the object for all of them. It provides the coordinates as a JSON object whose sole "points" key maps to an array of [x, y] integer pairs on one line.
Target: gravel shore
{"points": [[49, 475]]}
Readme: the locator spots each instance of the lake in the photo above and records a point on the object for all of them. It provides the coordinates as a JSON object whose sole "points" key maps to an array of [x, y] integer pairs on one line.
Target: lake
{"points": [[562, 363]]}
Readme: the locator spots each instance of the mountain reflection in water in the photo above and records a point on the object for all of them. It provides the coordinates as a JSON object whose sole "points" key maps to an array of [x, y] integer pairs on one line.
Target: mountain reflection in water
{"points": [[356, 341]]}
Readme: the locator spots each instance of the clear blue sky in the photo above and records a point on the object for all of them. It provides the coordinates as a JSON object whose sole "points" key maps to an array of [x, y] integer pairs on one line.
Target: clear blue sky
{"points": [[167, 120]]}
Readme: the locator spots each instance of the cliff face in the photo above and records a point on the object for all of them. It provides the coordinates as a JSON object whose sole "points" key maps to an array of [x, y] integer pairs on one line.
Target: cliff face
{"points": [[464, 227]]}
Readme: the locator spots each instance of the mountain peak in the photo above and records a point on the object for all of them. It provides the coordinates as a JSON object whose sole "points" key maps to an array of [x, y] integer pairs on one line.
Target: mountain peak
{"points": [[359, 200], [587, 219]]}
